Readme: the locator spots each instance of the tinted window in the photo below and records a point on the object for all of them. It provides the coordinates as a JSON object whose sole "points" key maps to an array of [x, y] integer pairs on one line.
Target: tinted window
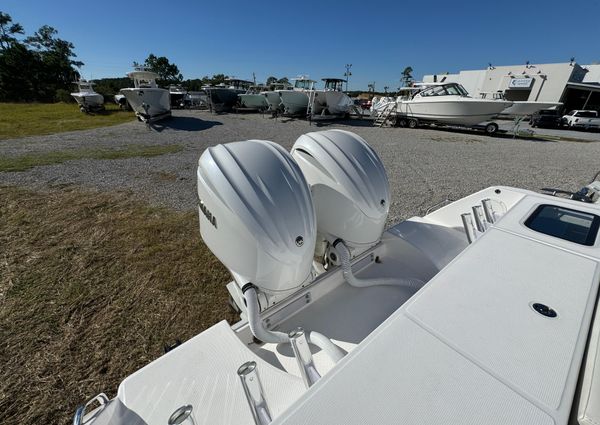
{"points": [[571, 225], [586, 114]]}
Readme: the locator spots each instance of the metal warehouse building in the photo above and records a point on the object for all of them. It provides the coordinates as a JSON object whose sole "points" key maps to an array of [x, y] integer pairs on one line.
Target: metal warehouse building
{"points": [[576, 86]]}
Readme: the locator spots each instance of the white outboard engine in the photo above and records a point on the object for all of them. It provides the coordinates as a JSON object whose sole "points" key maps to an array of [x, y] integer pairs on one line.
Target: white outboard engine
{"points": [[351, 193], [257, 215], [349, 186]]}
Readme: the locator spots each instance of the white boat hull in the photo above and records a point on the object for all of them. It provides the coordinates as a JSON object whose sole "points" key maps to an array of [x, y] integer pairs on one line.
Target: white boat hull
{"points": [[148, 102], [463, 112], [521, 108], [257, 101], [294, 102], [273, 99], [338, 103], [88, 100]]}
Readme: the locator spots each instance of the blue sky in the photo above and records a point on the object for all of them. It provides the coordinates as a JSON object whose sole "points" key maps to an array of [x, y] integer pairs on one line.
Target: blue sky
{"points": [[318, 38]]}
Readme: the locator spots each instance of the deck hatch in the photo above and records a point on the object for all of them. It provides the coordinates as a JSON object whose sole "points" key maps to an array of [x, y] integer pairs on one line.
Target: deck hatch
{"points": [[565, 223]]}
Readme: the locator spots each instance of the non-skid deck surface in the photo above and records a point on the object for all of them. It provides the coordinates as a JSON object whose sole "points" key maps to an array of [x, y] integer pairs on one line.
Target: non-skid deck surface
{"points": [[203, 373], [346, 315], [468, 348]]}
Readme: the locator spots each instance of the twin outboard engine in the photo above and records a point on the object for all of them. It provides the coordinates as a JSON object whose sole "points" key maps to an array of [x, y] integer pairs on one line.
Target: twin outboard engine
{"points": [[266, 214], [349, 187], [257, 216]]}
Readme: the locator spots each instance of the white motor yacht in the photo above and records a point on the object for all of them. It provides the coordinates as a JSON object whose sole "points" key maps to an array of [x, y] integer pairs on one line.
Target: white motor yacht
{"points": [[148, 101], [86, 97], [295, 101], [483, 311], [450, 104], [336, 101]]}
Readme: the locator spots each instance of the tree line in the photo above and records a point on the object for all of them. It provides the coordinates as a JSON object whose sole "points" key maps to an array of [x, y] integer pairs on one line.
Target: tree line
{"points": [[42, 67], [39, 67]]}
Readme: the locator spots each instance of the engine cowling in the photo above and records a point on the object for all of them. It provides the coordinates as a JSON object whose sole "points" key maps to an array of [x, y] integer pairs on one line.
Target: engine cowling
{"points": [[256, 214], [349, 186]]}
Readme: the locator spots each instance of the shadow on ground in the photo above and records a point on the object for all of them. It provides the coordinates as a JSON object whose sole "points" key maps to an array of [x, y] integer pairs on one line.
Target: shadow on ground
{"points": [[184, 124], [501, 134]]}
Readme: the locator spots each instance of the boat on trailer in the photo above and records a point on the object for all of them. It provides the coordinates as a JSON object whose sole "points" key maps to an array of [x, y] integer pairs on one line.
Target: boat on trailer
{"points": [[87, 99], [336, 101], [224, 97], [177, 94], [481, 311], [254, 98], [149, 102], [273, 97], [296, 100], [449, 104]]}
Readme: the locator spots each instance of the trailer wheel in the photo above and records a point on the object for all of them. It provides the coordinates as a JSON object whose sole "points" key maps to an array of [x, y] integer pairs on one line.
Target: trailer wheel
{"points": [[491, 128], [413, 123], [402, 122]]}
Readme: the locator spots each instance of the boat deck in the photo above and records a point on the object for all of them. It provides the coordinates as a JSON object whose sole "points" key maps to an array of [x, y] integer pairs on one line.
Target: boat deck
{"points": [[346, 315]]}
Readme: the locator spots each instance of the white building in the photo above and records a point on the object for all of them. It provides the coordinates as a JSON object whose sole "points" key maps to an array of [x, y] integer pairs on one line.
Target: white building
{"points": [[576, 86]]}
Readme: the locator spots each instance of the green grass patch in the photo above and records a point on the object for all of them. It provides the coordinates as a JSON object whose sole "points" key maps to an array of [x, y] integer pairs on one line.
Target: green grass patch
{"points": [[25, 162], [32, 119], [92, 285]]}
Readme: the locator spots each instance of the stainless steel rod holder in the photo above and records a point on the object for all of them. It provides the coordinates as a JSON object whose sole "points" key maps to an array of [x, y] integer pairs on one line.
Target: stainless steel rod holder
{"points": [[304, 357], [254, 392], [479, 217], [467, 220], [181, 416], [488, 210]]}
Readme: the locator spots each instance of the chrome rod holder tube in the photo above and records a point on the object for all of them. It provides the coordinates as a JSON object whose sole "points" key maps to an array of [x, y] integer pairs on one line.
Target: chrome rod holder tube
{"points": [[479, 216], [254, 393], [304, 357], [182, 416], [488, 210], [470, 231]]}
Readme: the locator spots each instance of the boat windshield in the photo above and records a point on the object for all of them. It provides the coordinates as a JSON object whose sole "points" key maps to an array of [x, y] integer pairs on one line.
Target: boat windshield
{"points": [[145, 84], [445, 90], [334, 85], [303, 84]]}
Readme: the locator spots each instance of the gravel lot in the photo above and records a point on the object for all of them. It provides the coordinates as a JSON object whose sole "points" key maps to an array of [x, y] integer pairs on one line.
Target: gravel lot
{"points": [[425, 166]]}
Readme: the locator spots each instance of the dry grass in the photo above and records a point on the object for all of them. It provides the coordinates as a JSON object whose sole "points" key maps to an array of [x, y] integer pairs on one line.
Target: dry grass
{"points": [[32, 119], [92, 285], [25, 162]]}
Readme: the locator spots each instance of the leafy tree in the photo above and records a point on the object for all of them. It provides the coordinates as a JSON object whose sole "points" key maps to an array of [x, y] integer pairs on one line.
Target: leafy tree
{"points": [[195, 84], [56, 64], [168, 72], [108, 87], [17, 64], [283, 80], [8, 30], [271, 80], [38, 66], [217, 79], [407, 77]]}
